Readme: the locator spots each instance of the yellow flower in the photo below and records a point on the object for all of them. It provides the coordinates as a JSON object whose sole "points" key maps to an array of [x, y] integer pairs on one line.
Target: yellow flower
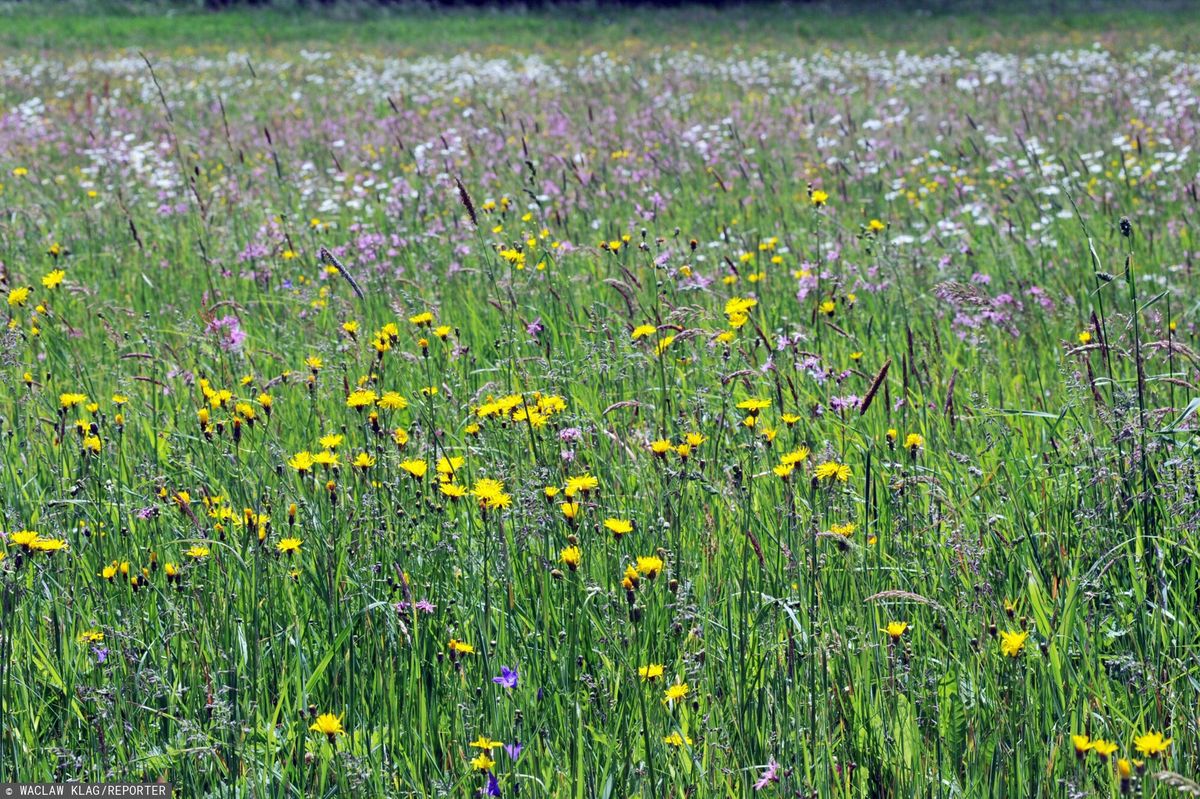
{"points": [[364, 461], [326, 458], [482, 762], [662, 345], [675, 739], [570, 510], [1124, 769], [649, 566], [1103, 748], [302, 462], [494, 501], [460, 648], [361, 398], [289, 546], [328, 725], [487, 490], [452, 490], [651, 672], [1082, 744], [618, 527], [392, 401], [1011, 643], [18, 296], [818, 198], [572, 557], [875, 226], [832, 470], [797, 455], [198, 552], [641, 331], [48, 545], [417, 468], [913, 442], [1151, 744], [895, 629], [69, 401], [330, 441], [24, 538], [753, 406], [90, 637], [422, 319], [485, 743], [584, 483], [675, 693], [1085, 337], [737, 307], [52, 278]]}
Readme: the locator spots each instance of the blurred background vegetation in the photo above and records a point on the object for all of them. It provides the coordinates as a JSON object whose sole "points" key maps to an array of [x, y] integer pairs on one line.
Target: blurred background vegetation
{"points": [[434, 27]]}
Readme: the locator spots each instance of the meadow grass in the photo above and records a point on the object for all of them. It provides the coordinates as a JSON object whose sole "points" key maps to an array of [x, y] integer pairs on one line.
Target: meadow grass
{"points": [[414, 29], [595, 415]]}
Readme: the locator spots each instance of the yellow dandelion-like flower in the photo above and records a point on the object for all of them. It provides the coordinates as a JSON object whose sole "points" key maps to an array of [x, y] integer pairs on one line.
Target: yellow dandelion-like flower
{"points": [[651, 672], [328, 725], [832, 470], [675, 693], [1012, 643]]}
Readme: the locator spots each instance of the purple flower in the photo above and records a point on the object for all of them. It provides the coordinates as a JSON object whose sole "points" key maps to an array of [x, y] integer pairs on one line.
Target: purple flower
{"points": [[101, 653], [769, 775], [423, 605], [570, 435], [842, 404], [228, 331], [493, 785], [513, 750], [535, 327], [507, 678]]}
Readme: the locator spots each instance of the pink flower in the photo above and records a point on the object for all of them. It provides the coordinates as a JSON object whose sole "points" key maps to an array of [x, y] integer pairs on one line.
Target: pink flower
{"points": [[770, 774]]}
